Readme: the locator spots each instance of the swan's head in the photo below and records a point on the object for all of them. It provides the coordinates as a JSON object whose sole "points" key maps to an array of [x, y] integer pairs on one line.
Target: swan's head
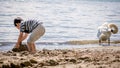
{"points": [[113, 27]]}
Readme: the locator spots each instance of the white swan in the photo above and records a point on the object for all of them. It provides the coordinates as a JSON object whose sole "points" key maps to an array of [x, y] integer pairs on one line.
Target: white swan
{"points": [[105, 31]]}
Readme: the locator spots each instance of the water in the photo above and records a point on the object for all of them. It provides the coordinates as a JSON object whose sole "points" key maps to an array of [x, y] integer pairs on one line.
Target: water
{"points": [[64, 20], [51, 46]]}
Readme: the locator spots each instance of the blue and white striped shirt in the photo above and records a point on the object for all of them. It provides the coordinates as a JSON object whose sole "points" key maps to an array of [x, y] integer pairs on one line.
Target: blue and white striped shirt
{"points": [[29, 25]]}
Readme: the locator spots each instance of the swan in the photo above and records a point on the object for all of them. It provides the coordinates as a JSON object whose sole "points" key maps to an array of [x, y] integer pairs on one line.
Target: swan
{"points": [[105, 31]]}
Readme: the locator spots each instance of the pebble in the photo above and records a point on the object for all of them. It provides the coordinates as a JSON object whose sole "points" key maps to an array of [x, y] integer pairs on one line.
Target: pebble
{"points": [[26, 64]]}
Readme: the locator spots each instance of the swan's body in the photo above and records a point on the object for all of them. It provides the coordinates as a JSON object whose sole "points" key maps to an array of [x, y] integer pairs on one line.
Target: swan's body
{"points": [[105, 31]]}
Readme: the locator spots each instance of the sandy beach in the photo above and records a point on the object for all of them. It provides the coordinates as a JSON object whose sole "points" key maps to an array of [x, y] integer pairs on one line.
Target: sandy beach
{"points": [[97, 57], [70, 39]]}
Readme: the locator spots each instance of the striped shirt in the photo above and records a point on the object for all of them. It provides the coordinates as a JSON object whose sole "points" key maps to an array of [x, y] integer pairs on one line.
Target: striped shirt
{"points": [[29, 25]]}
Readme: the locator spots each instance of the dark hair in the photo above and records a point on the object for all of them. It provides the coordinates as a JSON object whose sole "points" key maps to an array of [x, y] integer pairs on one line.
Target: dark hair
{"points": [[17, 20]]}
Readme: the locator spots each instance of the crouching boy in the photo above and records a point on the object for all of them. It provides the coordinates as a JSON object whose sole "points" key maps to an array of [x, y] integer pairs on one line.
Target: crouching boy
{"points": [[32, 27]]}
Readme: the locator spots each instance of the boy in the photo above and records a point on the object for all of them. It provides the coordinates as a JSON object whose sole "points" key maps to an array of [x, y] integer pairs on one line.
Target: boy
{"points": [[26, 27]]}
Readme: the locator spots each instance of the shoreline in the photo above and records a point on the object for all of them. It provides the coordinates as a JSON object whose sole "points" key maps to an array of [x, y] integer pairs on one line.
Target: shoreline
{"points": [[94, 57], [72, 44]]}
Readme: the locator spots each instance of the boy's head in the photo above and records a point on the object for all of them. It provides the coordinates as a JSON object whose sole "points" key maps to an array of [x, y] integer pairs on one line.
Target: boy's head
{"points": [[17, 20]]}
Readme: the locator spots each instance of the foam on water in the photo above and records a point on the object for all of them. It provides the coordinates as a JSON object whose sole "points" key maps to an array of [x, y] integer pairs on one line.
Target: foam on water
{"points": [[73, 44]]}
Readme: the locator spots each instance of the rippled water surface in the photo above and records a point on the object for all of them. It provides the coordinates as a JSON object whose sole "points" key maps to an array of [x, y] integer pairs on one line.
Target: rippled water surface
{"points": [[64, 20]]}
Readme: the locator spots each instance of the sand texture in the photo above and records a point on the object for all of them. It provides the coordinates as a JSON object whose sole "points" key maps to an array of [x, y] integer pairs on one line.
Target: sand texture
{"points": [[98, 57]]}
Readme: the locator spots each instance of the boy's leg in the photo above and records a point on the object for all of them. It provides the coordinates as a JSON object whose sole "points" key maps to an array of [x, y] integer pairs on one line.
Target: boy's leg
{"points": [[35, 35], [33, 48], [29, 46]]}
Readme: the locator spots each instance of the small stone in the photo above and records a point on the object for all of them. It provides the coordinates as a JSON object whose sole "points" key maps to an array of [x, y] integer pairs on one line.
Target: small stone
{"points": [[117, 56], [15, 50], [5, 66], [22, 59], [116, 60], [9, 52], [1, 62], [73, 60], [52, 62], [83, 58], [66, 59], [26, 64], [24, 53], [14, 54], [64, 52], [33, 61], [41, 64], [14, 65]]}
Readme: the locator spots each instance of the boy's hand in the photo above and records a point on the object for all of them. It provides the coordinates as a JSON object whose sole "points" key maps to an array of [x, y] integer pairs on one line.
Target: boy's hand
{"points": [[22, 36], [17, 45], [19, 40]]}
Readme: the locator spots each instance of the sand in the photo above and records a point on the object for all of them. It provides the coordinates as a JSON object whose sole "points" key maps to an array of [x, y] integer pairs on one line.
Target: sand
{"points": [[97, 57]]}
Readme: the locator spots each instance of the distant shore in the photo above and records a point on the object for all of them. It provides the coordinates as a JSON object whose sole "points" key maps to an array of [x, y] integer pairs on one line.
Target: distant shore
{"points": [[95, 57]]}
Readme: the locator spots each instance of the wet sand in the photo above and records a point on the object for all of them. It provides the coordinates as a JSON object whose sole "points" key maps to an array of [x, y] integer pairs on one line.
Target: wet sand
{"points": [[96, 57]]}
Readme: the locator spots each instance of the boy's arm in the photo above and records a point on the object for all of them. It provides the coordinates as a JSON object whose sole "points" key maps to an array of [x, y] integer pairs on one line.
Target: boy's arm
{"points": [[19, 40], [24, 36]]}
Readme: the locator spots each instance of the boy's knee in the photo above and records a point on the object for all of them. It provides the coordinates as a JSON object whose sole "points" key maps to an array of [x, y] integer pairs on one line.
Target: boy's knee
{"points": [[29, 42]]}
